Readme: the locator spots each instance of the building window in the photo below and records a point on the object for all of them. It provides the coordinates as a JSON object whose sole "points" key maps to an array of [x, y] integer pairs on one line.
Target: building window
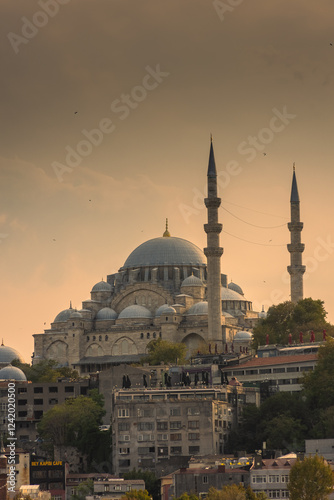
{"points": [[175, 425], [148, 335], [124, 451], [193, 424], [176, 437], [123, 412], [69, 388], [141, 335], [175, 412], [162, 451], [193, 450], [123, 437], [22, 402], [38, 390], [53, 401], [106, 487], [176, 450], [53, 389], [205, 479], [106, 338], [162, 426], [193, 411], [123, 426], [193, 436], [145, 426], [124, 463], [38, 401], [162, 437]]}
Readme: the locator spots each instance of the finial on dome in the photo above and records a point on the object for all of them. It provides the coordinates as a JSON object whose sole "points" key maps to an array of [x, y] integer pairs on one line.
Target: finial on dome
{"points": [[70, 304], [166, 233], [210, 137], [2, 342], [293, 166]]}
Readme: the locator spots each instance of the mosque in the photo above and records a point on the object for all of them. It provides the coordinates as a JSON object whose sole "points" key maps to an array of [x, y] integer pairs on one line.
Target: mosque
{"points": [[168, 288]]}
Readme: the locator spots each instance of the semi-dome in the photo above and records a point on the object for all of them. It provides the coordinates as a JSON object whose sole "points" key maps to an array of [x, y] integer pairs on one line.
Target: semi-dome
{"points": [[235, 288], [102, 286], [243, 335], [12, 373], [192, 281], [228, 294], [7, 354], [169, 251], [169, 310], [63, 315], [106, 314], [198, 309], [135, 311]]}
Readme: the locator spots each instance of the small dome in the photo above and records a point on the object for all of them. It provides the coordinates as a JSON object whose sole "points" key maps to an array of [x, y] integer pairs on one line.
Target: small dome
{"points": [[198, 309], [134, 312], [12, 373], [169, 310], [235, 288], [161, 310], [192, 281], [242, 335], [63, 315], [106, 314], [7, 354], [228, 294], [102, 286], [75, 314]]}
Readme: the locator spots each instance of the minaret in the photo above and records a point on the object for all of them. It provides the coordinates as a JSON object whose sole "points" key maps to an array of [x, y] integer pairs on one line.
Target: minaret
{"points": [[296, 248], [213, 253]]}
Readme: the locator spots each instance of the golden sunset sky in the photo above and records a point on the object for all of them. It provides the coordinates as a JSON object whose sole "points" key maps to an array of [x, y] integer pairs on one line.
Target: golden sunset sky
{"points": [[106, 113]]}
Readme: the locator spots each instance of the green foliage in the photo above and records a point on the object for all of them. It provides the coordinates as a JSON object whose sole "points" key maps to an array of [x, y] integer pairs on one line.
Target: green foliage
{"points": [[231, 492], [45, 371], [319, 384], [186, 496], [84, 489], [310, 479], [152, 484], [167, 352], [250, 495], [286, 318], [136, 494], [76, 423]]}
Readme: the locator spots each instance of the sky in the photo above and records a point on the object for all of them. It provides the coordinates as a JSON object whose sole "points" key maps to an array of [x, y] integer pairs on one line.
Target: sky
{"points": [[106, 113]]}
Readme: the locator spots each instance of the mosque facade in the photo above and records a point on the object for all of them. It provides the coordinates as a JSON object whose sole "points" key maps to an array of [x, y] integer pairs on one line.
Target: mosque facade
{"points": [[168, 288]]}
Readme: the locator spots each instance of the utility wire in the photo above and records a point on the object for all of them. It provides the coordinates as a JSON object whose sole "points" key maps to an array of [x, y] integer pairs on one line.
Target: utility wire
{"points": [[257, 211], [250, 224], [253, 242]]}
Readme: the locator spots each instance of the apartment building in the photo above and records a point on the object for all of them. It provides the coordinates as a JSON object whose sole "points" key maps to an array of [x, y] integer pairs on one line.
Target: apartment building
{"points": [[160, 429]]}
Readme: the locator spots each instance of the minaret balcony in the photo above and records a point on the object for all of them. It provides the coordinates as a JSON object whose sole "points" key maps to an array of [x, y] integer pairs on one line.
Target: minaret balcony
{"points": [[212, 202], [296, 247], [213, 227], [295, 270], [213, 251], [295, 226]]}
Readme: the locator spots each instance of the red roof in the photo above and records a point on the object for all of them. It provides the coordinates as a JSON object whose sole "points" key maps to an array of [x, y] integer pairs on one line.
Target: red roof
{"points": [[275, 360]]}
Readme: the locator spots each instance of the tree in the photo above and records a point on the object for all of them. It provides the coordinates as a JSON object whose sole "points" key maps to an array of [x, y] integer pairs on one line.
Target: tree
{"points": [[319, 384], [136, 494], [46, 371], [152, 484], [163, 351], [76, 423], [84, 489], [230, 492], [186, 496], [289, 318], [310, 479]]}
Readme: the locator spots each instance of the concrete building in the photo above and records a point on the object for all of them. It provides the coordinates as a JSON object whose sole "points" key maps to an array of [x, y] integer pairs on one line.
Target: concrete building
{"points": [[115, 488], [165, 289], [279, 373], [200, 480], [160, 429], [271, 476]]}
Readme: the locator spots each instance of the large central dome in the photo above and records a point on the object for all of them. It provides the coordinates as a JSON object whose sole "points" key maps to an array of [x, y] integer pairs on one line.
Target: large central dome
{"points": [[169, 251]]}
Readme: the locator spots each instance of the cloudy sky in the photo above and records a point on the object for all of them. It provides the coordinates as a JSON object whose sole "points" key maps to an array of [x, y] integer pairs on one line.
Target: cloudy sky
{"points": [[106, 113]]}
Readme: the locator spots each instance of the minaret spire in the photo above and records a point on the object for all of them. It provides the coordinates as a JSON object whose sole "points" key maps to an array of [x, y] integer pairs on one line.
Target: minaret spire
{"points": [[296, 248], [213, 253]]}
